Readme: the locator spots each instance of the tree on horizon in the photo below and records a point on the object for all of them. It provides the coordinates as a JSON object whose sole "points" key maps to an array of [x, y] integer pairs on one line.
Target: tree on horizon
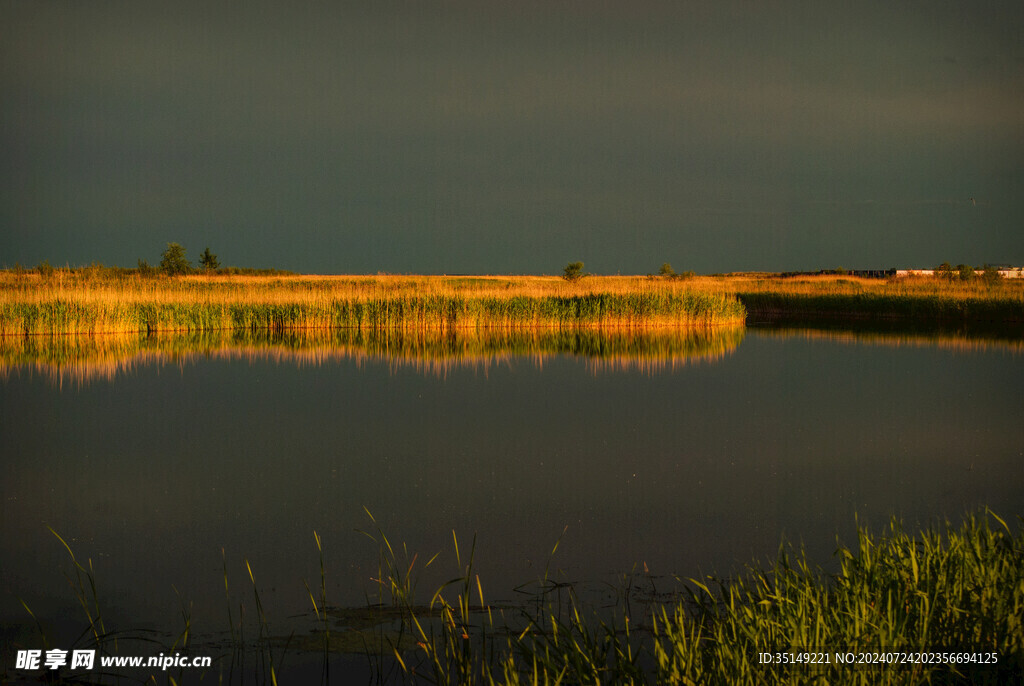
{"points": [[173, 260], [573, 271], [208, 260]]}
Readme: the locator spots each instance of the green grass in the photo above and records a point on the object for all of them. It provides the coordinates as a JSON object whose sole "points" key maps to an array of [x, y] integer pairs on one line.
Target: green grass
{"points": [[947, 590], [951, 589], [958, 590]]}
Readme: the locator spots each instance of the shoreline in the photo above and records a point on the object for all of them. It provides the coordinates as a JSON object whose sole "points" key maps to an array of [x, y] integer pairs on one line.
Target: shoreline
{"points": [[89, 302]]}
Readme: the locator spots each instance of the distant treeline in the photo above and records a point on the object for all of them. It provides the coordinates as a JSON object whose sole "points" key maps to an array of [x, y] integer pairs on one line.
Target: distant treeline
{"points": [[102, 271], [172, 263]]}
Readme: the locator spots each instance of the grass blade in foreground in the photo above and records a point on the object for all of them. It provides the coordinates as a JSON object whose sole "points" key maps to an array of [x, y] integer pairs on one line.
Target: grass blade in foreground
{"points": [[955, 595]]}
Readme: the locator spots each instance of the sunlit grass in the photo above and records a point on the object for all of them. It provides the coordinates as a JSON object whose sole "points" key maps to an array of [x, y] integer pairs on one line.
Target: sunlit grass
{"points": [[82, 302], [31, 304], [956, 590]]}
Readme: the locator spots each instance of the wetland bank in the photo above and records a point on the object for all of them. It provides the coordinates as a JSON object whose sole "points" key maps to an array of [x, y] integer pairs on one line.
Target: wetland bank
{"points": [[97, 300], [652, 454]]}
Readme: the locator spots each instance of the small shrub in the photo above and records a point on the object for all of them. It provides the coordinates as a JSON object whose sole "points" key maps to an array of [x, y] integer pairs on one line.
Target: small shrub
{"points": [[146, 270], [209, 261], [173, 260], [573, 272], [668, 272], [94, 272]]}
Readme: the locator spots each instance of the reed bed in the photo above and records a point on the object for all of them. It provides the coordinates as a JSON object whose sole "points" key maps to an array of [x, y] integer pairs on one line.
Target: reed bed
{"points": [[34, 305], [91, 302], [952, 597], [954, 591], [912, 298]]}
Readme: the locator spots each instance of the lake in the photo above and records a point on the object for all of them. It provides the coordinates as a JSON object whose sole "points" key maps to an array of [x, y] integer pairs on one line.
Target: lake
{"points": [[170, 464]]}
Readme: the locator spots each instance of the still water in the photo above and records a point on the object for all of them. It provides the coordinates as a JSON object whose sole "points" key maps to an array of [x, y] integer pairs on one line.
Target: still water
{"points": [[169, 470]]}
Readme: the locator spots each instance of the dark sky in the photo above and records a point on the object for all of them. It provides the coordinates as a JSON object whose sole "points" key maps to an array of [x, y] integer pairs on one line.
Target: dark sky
{"points": [[513, 136]]}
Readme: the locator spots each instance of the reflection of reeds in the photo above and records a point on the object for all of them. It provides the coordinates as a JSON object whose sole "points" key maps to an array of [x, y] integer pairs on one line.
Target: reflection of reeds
{"points": [[946, 341], [84, 358]]}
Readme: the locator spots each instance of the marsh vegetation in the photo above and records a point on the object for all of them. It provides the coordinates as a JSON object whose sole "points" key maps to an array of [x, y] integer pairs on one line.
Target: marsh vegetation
{"points": [[84, 301], [30, 304], [910, 299], [952, 590]]}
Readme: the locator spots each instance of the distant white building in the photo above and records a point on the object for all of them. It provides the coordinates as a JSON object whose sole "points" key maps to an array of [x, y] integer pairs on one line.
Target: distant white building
{"points": [[1006, 273]]}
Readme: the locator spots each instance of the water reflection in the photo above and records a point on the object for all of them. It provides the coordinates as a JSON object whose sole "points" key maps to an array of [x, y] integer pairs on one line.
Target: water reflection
{"points": [[958, 342], [80, 359], [962, 336], [695, 470]]}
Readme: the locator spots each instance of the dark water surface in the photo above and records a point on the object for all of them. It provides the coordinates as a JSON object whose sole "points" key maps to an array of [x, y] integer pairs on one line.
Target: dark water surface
{"points": [[685, 468]]}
